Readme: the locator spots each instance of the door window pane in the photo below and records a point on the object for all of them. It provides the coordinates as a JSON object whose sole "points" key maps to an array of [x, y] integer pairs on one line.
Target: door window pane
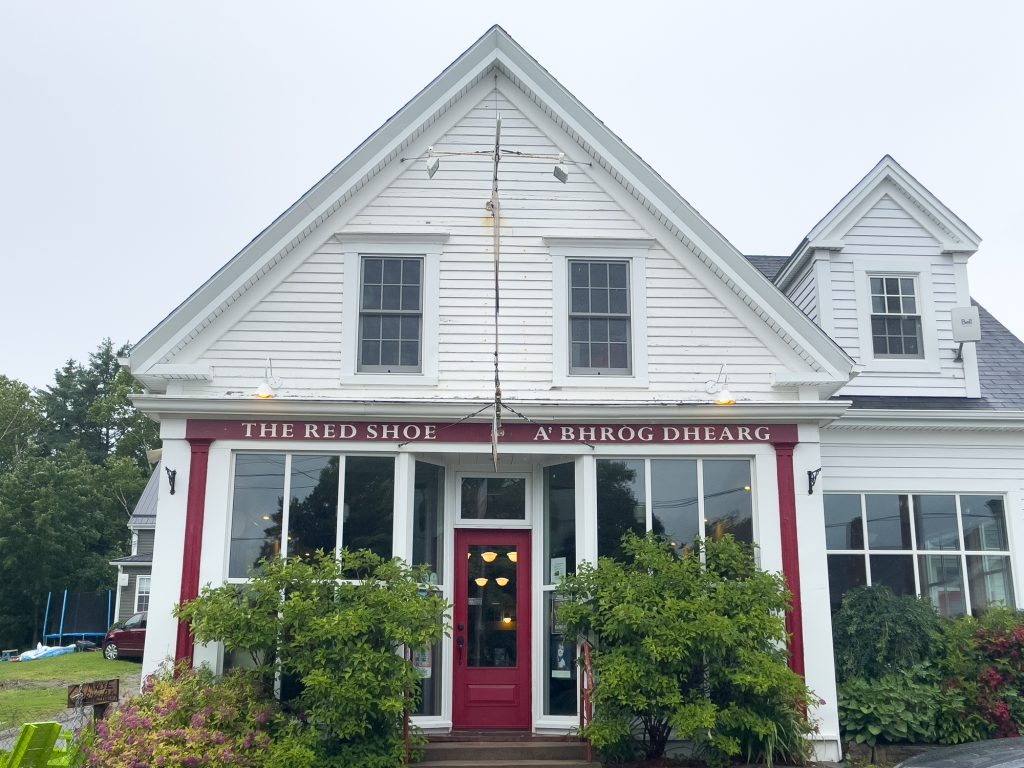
{"points": [[492, 620], [984, 522], [674, 501], [895, 572], [935, 517], [844, 573], [844, 528], [942, 582], [621, 503], [888, 521], [727, 504], [559, 521], [256, 511], [428, 519], [369, 504], [990, 582], [313, 509], [493, 498]]}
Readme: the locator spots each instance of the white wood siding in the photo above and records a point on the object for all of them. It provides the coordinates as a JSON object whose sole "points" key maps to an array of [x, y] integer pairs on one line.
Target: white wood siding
{"points": [[804, 293], [888, 238], [299, 322]]}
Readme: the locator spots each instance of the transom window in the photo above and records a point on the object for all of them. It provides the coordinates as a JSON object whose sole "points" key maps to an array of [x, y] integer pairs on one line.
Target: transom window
{"points": [[895, 317], [930, 545], [391, 314], [599, 317]]}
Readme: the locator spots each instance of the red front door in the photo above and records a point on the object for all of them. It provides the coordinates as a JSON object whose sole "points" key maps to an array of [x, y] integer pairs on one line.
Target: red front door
{"points": [[491, 685]]}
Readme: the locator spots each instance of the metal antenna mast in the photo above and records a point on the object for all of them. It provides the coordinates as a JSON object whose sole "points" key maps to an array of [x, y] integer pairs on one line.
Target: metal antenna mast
{"points": [[495, 207]]}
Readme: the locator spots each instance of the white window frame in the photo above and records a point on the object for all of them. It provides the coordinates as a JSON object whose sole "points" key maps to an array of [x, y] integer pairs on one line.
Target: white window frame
{"points": [[138, 591], [633, 251], [866, 267], [426, 246]]}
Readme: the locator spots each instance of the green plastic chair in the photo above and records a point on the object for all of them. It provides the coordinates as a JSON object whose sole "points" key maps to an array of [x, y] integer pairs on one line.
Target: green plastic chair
{"points": [[34, 745]]}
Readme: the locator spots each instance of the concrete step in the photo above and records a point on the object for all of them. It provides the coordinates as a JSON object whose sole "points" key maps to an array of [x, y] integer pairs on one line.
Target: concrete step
{"points": [[519, 753]]}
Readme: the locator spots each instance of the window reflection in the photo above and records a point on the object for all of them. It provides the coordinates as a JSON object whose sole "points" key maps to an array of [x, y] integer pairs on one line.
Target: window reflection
{"points": [[256, 511], [428, 519], [559, 521], [369, 504], [313, 509], [674, 501], [493, 498], [727, 505], [621, 504]]}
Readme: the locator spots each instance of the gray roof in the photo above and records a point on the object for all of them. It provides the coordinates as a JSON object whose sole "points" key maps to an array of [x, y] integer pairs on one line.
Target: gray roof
{"points": [[144, 514], [1000, 365], [143, 558]]}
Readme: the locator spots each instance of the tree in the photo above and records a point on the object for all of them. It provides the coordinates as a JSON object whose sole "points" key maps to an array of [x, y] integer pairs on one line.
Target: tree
{"points": [[62, 519], [20, 421], [691, 645], [89, 405]]}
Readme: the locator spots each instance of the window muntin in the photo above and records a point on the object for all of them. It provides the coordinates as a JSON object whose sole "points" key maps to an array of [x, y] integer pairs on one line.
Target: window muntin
{"points": [[929, 545], [599, 317], [142, 593], [895, 317], [316, 516], [687, 498], [391, 314]]}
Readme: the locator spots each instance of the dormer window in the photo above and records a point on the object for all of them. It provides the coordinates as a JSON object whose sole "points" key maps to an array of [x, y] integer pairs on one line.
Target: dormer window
{"points": [[895, 317]]}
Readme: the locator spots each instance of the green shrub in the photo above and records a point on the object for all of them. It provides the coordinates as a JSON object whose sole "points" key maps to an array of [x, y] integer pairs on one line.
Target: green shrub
{"points": [[691, 648], [875, 633], [189, 720], [900, 707], [338, 640]]}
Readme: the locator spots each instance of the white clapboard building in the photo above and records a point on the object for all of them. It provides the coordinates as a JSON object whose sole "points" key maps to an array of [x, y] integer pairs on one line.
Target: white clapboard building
{"points": [[334, 383]]}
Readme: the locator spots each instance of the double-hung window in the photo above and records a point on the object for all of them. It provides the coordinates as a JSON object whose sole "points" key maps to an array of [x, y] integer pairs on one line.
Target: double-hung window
{"points": [[895, 317], [142, 593], [391, 314], [599, 317]]}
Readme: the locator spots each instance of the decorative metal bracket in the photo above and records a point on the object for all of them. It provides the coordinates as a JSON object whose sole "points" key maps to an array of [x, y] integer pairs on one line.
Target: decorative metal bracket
{"points": [[812, 478], [172, 475]]}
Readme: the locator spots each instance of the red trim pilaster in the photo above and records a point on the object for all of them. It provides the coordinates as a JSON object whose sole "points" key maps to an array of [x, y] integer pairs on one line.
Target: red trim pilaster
{"points": [[790, 553], [192, 555]]}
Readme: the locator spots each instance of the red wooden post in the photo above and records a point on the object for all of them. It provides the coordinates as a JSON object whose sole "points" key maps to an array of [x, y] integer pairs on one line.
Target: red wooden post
{"points": [[184, 648], [790, 553]]}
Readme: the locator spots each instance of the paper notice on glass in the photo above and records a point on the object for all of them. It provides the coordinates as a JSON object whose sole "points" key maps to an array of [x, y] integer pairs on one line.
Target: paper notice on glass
{"points": [[423, 662], [557, 569]]}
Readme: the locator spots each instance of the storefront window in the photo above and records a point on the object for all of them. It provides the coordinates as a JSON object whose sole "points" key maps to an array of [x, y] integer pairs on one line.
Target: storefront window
{"points": [[679, 511], [256, 512], [905, 535], [559, 522], [264, 526], [493, 498], [428, 519], [560, 692]]}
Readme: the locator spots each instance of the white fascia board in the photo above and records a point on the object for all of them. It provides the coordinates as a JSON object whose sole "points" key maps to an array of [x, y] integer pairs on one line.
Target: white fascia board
{"points": [[911, 419], [605, 145], [551, 411], [367, 158]]}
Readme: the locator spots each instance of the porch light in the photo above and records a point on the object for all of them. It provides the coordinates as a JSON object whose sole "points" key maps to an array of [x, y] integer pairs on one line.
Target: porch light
{"points": [[502, 581], [513, 556], [481, 581], [489, 557], [719, 386], [270, 383], [432, 163]]}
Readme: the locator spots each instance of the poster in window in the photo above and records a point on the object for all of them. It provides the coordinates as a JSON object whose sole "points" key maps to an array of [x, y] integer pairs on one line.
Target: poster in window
{"points": [[563, 657], [423, 662], [557, 625]]}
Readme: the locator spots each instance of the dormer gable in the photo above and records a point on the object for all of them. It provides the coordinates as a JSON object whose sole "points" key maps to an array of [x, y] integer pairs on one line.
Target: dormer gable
{"points": [[882, 273]]}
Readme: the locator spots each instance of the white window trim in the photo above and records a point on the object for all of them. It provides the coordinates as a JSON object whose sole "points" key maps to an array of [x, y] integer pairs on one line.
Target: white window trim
{"points": [[634, 251], [864, 269], [149, 591], [427, 246]]}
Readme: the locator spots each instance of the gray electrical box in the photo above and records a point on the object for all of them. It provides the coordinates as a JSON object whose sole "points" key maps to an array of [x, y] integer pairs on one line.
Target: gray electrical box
{"points": [[966, 324]]}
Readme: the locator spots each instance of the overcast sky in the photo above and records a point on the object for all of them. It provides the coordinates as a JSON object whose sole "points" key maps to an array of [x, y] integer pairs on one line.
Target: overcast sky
{"points": [[142, 144]]}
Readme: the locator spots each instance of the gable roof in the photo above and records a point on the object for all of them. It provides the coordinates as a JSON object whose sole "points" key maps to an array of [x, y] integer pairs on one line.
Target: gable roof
{"points": [[948, 228], [495, 52], [144, 514]]}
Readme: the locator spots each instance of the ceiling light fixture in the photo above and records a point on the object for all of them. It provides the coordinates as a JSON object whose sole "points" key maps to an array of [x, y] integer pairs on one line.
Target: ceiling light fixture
{"points": [[513, 556], [502, 581], [489, 557], [481, 581]]}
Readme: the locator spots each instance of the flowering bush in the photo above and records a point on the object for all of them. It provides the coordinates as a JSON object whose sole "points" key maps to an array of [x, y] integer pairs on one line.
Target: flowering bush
{"points": [[190, 720]]}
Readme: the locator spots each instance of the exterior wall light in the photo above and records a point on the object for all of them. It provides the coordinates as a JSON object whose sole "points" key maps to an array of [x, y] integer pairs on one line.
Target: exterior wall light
{"points": [[269, 385], [719, 386]]}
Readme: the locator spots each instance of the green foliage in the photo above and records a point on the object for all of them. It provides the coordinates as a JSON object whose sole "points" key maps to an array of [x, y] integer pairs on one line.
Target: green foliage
{"points": [[62, 519], [339, 639], [20, 421], [187, 719], [690, 648], [900, 707], [875, 633]]}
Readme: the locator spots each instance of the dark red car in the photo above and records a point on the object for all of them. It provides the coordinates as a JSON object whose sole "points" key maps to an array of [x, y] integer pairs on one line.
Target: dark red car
{"points": [[128, 640]]}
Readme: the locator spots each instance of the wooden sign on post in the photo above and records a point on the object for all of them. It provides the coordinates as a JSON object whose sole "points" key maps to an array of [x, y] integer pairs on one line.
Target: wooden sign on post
{"points": [[98, 694]]}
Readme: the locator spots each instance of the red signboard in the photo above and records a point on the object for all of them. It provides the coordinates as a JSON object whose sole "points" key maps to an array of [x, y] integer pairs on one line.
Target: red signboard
{"points": [[469, 432]]}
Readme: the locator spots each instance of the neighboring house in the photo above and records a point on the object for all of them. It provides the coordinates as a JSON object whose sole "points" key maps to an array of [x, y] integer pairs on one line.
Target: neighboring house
{"points": [[134, 572], [333, 385]]}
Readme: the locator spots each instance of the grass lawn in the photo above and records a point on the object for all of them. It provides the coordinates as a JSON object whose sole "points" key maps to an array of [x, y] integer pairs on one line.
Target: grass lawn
{"points": [[37, 690]]}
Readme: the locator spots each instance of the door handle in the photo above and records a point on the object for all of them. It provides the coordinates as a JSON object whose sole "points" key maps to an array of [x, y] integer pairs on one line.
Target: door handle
{"points": [[460, 642]]}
